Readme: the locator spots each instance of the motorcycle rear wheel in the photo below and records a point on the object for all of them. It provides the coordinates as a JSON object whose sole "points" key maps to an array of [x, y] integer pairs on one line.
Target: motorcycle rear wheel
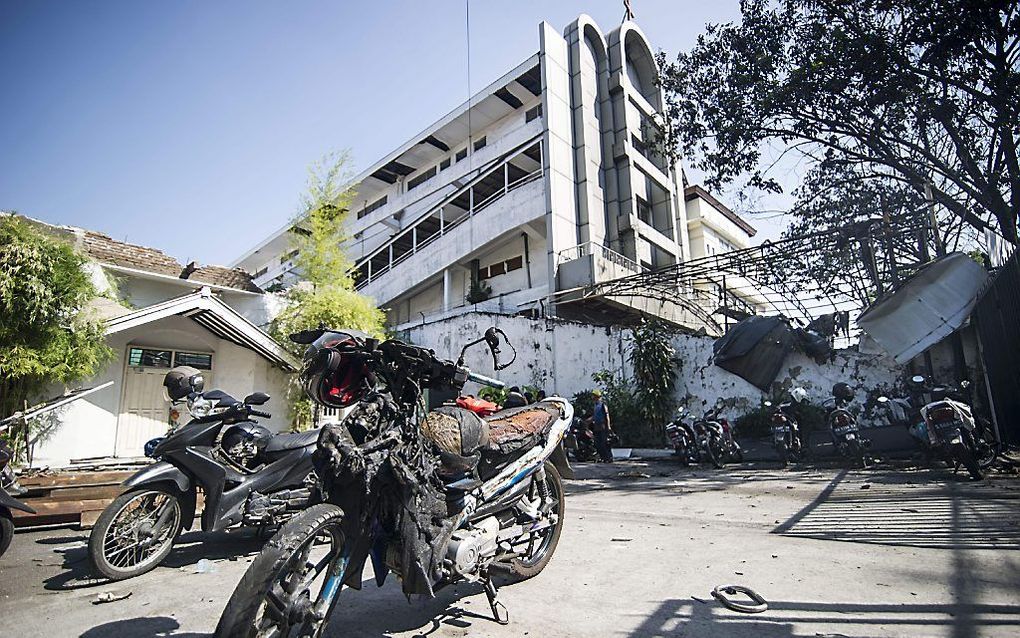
{"points": [[283, 591], [966, 457], [121, 544], [715, 453]]}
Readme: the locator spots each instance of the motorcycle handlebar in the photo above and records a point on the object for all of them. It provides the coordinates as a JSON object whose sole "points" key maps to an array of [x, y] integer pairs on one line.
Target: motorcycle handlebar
{"points": [[264, 415], [484, 380]]}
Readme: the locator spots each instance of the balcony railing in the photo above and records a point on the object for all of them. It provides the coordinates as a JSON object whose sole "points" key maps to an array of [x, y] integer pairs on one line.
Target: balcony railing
{"points": [[429, 227], [592, 248]]}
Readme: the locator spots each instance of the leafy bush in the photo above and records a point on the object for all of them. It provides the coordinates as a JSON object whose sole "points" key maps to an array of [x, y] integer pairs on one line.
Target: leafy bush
{"points": [[47, 332], [655, 377]]}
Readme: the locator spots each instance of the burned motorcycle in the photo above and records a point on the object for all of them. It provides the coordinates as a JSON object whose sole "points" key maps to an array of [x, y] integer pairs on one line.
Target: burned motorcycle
{"points": [[247, 474], [434, 497]]}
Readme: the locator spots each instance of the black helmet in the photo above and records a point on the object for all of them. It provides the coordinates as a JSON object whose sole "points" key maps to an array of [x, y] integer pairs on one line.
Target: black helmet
{"points": [[334, 373], [245, 441], [182, 381], [842, 391]]}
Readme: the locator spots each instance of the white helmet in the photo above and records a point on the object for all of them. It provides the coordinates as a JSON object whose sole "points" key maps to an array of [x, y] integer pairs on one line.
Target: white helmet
{"points": [[798, 394]]}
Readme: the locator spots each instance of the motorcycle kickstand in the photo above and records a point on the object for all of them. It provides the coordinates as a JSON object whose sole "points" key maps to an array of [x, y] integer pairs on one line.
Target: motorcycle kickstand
{"points": [[499, 610]]}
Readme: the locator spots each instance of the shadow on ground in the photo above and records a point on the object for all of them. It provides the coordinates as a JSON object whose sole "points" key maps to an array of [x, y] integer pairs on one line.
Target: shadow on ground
{"points": [[189, 549]]}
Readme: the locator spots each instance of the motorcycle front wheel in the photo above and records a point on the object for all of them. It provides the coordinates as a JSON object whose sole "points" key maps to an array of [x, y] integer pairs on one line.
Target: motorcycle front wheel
{"points": [[291, 587], [126, 542]]}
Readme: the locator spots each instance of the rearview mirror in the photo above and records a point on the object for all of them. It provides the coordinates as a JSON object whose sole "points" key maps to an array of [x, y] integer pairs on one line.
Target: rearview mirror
{"points": [[306, 336], [256, 398]]}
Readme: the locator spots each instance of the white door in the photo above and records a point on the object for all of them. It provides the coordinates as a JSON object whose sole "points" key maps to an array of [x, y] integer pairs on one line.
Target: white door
{"points": [[144, 413]]}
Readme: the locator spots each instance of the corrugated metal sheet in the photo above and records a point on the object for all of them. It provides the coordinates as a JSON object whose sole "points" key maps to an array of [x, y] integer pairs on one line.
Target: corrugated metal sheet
{"points": [[926, 308]]}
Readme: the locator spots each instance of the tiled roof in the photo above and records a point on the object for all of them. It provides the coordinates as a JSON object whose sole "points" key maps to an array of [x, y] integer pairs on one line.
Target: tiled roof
{"points": [[106, 250]]}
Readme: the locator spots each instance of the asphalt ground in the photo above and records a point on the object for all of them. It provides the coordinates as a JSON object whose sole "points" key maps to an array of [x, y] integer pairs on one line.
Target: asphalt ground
{"points": [[876, 552]]}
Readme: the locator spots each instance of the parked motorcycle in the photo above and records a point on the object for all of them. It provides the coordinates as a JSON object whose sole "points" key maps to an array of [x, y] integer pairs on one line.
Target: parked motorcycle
{"points": [[9, 488], [786, 431], [247, 474], [682, 439], [434, 497], [949, 430], [842, 423], [580, 441], [732, 449]]}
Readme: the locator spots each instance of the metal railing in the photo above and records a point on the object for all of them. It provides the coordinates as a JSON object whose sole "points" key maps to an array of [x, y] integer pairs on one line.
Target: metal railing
{"points": [[592, 248], [367, 272]]}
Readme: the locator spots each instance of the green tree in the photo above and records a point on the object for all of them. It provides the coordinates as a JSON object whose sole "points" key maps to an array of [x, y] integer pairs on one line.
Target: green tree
{"points": [[48, 332], [652, 356], [926, 91], [326, 295]]}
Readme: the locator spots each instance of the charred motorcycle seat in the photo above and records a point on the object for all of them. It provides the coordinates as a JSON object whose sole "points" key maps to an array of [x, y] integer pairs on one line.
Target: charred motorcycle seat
{"points": [[518, 429], [285, 442]]}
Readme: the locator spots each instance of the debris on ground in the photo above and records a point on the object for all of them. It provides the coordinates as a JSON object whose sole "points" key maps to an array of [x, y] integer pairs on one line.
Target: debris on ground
{"points": [[205, 566], [621, 540], [633, 474], [866, 486], [110, 597]]}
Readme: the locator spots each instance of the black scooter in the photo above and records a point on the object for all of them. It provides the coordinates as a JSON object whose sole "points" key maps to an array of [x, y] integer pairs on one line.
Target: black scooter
{"points": [[247, 475]]}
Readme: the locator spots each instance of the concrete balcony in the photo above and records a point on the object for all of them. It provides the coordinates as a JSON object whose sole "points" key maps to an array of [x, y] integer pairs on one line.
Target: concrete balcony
{"points": [[589, 264], [486, 223]]}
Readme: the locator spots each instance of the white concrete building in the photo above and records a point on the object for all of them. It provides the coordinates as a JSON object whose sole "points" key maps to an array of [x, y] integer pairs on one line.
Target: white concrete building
{"points": [[159, 314], [542, 184]]}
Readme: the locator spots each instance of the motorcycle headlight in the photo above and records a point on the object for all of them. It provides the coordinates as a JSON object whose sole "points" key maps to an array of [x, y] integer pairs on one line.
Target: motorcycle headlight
{"points": [[199, 407]]}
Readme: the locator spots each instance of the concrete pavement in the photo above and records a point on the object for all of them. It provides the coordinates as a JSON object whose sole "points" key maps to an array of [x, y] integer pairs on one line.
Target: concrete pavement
{"points": [[879, 552]]}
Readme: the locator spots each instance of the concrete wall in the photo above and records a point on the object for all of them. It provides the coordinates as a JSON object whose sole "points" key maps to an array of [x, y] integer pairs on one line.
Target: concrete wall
{"points": [[560, 356]]}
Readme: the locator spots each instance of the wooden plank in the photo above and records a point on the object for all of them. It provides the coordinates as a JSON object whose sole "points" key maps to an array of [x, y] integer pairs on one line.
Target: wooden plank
{"points": [[84, 492], [74, 479], [52, 512]]}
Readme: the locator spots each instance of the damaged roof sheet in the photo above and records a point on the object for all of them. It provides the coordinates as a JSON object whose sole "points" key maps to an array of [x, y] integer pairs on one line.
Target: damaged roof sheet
{"points": [[926, 308]]}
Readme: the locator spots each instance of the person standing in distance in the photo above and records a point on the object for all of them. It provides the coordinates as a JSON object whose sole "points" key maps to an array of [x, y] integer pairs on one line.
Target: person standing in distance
{"points": [[602, 427]]}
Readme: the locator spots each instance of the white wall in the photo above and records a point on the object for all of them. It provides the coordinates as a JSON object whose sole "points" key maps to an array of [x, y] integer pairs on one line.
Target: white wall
{"points": [[560, 356], [88, 428]]}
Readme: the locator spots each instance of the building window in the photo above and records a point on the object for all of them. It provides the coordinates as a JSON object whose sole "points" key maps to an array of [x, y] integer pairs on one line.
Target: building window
{"points": [[479, 143], [501, 268], [144, 357], [421, 179], [461, 154], [193, 359], [644, 211], [533, 113], [445, 164], [374, 206]]}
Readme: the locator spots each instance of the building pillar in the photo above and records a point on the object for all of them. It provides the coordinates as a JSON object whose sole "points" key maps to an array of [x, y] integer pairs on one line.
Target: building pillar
{"points": [[447, 286]]}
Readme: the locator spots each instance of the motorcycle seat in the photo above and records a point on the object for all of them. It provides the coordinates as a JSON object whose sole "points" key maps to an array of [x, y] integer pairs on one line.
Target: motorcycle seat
{"points": [[283, 442], [516, 429]]}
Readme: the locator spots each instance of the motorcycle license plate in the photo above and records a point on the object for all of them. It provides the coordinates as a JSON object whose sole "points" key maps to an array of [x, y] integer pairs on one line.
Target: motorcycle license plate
{"points": [[949, 425]]}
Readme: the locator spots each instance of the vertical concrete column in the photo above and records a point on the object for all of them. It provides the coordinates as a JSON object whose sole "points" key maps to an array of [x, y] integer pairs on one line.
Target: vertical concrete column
{"points": [[561, 209], [447, 289]]}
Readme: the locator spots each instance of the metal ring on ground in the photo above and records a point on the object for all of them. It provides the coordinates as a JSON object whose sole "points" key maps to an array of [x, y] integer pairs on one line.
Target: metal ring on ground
{"points": [[723, 592]]}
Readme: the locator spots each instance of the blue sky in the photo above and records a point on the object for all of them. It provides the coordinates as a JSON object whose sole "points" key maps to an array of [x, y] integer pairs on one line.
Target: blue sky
{"points": [[189, 126]]}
